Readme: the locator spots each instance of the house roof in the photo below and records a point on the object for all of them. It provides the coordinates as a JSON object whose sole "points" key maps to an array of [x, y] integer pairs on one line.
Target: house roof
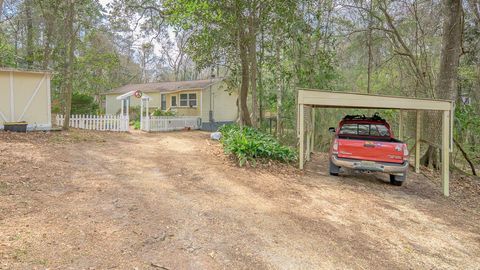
{"points": [[164, 86]]}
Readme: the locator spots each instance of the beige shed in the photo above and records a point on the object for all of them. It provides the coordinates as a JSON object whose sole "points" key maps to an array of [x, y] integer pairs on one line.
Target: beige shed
{"points": [[25, 96]]}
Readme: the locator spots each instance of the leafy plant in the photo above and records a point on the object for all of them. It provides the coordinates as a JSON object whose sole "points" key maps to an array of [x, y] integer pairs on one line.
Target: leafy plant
{"points": [[7, 52], [136, 124], [159, 112], [250, 145], [83, 104]]}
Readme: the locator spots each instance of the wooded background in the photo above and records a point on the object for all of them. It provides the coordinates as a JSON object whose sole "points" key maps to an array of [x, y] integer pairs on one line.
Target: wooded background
{"points": [[265, 48]]}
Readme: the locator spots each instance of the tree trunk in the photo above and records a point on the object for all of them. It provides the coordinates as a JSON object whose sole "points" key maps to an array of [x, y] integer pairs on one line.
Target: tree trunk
{"points": [[1, 8], [430, 158], [252, 51], [451, 50], [279, 90], [29, 24], [369, 44], [71, 38], [245, 115], [16, 42], [446, 87], [260, 80], [47, 50], [49, 13]]}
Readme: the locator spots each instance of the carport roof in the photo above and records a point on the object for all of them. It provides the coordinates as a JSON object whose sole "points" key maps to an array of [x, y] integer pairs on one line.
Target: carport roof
{"points": [[318, 98]]}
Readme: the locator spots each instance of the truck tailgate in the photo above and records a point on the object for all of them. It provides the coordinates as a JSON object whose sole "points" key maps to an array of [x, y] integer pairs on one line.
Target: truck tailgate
{"points": [[370, 150]]}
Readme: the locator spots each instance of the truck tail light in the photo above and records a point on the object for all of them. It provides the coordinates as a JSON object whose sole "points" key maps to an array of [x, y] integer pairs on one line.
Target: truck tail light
{"points": [[335, 147], [405, 152]]}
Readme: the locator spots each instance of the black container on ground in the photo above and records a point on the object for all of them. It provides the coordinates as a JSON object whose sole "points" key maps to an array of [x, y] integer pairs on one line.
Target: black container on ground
{"points": [[15, 126]]}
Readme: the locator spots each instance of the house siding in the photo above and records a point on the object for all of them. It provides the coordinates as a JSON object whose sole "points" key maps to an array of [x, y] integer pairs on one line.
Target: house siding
{"points": [[222, 103], [113, 106], [185, 111]]}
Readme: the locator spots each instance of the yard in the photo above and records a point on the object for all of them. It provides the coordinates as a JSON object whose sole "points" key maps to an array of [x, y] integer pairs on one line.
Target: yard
{"points": [[90, 200]]}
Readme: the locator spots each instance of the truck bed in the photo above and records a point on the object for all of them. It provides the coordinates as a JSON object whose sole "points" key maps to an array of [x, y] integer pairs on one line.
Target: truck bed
{"points": [[364, 138], [370, 148]]}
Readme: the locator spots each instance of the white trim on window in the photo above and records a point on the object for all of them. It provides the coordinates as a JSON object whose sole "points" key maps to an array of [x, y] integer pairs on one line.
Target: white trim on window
{"points": [[188, 100], [171, 101]]}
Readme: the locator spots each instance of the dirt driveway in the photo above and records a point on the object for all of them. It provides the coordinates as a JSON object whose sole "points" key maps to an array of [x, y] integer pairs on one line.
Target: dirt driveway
{"points": [[173, 201]]}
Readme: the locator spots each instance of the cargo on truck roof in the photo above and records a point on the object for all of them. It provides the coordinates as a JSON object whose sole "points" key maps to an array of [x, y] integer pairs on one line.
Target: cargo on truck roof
{"points": [[375, 117]]}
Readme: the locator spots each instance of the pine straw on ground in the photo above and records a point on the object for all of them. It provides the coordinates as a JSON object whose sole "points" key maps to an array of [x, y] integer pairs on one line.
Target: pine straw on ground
{"points": [[106, 200], [464, 188]]}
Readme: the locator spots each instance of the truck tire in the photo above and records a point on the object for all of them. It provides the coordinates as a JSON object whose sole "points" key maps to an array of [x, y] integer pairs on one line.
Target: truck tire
{"points": [[397, 180], [334, 169]]}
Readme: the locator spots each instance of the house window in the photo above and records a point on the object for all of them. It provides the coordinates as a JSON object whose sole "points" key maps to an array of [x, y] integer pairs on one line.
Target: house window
{"points": [[188, 100], [164, 102], [174, 101], [192, 100]]}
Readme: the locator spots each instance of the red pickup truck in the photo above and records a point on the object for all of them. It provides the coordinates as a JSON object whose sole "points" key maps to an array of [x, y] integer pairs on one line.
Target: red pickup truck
{"points": [[367, 144]]}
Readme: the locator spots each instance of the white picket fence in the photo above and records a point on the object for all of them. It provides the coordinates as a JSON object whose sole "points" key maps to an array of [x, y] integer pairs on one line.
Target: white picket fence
{"points": [[96, 122], [170, 123]]}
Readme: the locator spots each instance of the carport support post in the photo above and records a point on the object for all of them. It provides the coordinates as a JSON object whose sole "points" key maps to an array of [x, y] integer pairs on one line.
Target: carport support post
{"points": [[445, 152], [400, 126], [301, 135], [312, 139], [418, 133], [308, 146], [309, 137]]}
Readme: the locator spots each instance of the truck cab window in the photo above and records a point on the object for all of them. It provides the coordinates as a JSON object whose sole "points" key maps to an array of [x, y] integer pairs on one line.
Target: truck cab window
{"points": [[349, 129]]}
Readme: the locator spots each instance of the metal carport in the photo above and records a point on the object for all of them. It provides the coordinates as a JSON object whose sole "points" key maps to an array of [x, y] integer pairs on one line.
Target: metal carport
{"points": [[308, 99]]}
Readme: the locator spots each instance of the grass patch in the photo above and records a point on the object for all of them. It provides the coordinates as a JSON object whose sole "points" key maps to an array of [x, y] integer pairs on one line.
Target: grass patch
{"points": [[249, 145], [20, 255], [3, 188]]}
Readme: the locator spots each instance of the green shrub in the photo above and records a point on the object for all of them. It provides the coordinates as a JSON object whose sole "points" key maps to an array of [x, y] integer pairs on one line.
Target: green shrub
{"points": [[136, 124], [159, 112], [83, 104], [250, 145]]}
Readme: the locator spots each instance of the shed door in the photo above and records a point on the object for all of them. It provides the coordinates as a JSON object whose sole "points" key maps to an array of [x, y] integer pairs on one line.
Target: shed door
{"points": [[26, 97]]}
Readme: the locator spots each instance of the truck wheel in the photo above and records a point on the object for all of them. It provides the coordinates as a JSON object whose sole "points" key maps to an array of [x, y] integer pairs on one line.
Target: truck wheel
{"points": [[397, 180], [334, 169]]}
